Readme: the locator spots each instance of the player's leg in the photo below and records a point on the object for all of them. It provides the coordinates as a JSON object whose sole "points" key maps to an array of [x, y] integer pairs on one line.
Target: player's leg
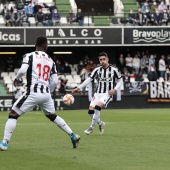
{"points": [[96, 116], [105, 100], [99, 102], [48, 108], [9, 128], [95, 119], [90, 91], [22, 105], [91, 113]]}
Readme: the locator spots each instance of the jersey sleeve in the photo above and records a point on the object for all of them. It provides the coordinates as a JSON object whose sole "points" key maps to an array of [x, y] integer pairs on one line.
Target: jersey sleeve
{"points": [[26, 59], [117, 74], [53, 69], [93, 73]]}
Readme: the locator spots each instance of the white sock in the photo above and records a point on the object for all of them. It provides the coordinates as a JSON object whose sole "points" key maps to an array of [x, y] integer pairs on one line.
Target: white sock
{"points": [[96, 118], [62, 125], [91, 116], [98, 122], [9, 128]]}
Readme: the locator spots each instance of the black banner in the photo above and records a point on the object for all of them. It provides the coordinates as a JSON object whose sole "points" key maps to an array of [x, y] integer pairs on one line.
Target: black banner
{"points": [[147, 35], [6, 103], [11, 36], [159, 91], [86, 36], [76, 36], [135, 88]]}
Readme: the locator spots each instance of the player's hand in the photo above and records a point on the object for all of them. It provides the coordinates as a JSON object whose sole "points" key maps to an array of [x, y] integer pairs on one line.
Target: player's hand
{"points": [[15, 82], [112, 92], [75, 90]]}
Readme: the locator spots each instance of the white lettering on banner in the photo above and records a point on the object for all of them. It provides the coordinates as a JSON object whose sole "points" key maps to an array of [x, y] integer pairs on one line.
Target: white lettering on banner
{"points": [[58, 101], [84, 32], [76, 42], [73, 38], [6, 103], [54, 41], [61, 33], [9, 37], [49, 33], [60, 42], [149, 36], [1, 105], [160, 89], [71, 33], [97, 32], [153, 90]]}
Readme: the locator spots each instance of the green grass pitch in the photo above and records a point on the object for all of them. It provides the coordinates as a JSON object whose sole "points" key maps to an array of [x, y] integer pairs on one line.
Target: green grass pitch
{"points": [[134, 139]]}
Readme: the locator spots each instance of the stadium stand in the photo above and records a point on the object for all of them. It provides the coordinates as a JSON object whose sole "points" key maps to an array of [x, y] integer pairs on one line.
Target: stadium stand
{"points": [[6, 83], [101, 20], [130, 4], [63, 7], [3, 91]]}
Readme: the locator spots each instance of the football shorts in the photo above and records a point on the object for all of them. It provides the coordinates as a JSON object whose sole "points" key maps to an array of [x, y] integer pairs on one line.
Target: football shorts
{"points": [[105, 98], [27, 102]]}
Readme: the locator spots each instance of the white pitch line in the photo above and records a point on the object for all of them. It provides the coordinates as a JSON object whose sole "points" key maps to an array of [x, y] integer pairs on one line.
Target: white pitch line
{"points": [[156, 121]]}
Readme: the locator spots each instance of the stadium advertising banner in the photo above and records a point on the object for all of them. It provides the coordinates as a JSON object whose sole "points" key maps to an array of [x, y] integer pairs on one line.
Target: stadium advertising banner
{"points": [[6, 103], [147, 35], [76, 36], [159, 91], [12, 36], [135, 88], [86, 36]]}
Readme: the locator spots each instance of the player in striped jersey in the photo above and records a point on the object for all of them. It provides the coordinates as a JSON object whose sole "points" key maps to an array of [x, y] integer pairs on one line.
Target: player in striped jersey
{"points": [[41, 81], [106, 75]]}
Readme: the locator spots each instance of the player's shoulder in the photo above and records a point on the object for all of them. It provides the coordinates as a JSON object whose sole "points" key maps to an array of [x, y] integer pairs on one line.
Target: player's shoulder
{"points": [[113, 66], [97, 67], [27, 54]]}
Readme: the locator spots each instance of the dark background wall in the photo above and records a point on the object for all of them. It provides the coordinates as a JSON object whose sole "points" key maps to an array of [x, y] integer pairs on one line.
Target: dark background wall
{"points": [[80, 52], [95, 6], [82, 103]]}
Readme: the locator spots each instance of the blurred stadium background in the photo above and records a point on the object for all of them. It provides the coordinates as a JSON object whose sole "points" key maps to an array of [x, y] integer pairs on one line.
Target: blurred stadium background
{"points": [[75, 40], [137, 135]]}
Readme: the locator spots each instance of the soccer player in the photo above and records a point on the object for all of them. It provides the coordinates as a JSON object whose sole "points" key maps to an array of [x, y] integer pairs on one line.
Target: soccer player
{"points": [[41, 81], [106, 75]]}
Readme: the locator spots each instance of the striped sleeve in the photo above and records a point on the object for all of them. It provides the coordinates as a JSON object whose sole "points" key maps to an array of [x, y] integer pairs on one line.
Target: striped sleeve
{"points": [[26, 59], [53, 69], [117, 73], [94, 73]]}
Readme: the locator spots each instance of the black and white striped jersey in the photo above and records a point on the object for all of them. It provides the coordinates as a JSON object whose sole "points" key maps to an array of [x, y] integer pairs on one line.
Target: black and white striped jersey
{"points": [[41, 67], [106, 78]]}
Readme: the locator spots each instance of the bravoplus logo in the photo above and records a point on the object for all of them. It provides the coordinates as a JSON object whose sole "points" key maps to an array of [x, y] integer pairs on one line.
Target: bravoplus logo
{"points": [[150, 36]]}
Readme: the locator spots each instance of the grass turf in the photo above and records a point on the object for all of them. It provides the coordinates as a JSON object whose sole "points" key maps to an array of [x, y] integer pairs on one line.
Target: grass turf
{"points": [[134, 139]]}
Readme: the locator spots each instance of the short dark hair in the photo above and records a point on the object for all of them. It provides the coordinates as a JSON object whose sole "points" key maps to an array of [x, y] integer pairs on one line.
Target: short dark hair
{"points": [[103, 54], [41, 41]]}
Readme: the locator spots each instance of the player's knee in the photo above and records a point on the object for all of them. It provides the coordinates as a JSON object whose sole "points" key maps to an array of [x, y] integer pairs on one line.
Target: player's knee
{"points": [[51, 117], [97, 107], [13, 115], [91, 112]]}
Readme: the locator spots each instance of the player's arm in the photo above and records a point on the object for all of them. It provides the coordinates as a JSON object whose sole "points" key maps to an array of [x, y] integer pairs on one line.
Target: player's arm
{"points": [[53, 78], [20, 73], [119, 83], [87, 81], [53, 82], [23, 69], [84, 84]]}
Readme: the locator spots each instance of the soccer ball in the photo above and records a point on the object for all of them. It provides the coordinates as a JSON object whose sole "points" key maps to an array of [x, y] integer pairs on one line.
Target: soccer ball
{"points": [[68, 99]]}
